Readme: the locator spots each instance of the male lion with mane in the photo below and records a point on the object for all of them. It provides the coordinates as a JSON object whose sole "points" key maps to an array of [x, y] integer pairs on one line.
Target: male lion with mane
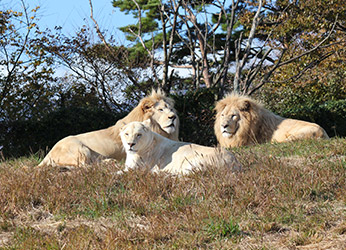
{"points": [[101, 144], [241, 121], [147, 149]]}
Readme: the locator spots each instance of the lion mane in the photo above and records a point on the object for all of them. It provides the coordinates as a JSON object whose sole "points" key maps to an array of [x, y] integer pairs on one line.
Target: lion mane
{"points": [[242, 121], [106, 143], [147, 149]]}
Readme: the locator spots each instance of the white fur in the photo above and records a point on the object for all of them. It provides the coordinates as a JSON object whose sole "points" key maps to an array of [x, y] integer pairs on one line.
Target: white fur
{"points": [[153, 151]]}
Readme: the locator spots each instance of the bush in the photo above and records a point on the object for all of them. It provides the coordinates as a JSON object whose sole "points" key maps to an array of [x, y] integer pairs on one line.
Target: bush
{"points": [[196, 114], [23, 137]]}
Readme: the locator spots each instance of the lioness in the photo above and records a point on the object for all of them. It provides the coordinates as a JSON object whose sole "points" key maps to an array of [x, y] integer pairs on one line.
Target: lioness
{"points": [[106, 143], [145, 148], [241, 121]]}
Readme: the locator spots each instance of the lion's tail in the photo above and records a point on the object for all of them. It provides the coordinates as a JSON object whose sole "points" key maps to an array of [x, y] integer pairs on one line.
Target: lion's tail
{"points": [[325, 135]]}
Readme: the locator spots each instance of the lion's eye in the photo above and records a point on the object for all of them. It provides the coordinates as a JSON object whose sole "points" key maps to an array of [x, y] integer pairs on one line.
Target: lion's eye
{"points": [[139, 135], [222, 115], [126, 134], [161, 110]]}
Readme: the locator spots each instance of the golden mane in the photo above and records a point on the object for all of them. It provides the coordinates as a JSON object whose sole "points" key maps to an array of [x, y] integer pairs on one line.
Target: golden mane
{"points": [[143, 111], [259, 125]]}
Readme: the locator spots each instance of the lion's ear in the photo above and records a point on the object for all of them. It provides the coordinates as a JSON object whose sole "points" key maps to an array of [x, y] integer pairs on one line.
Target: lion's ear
{"points": [[147, 123], [145, 127], [146, 105], [123, 124], [245, 106]]}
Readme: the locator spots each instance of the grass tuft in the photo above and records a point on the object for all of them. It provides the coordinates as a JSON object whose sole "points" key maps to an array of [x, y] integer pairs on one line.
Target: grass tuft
{"points": [[218, 227]]}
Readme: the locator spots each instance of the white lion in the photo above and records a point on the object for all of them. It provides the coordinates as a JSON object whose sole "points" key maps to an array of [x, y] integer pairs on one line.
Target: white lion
{"points": [[145, 148], [242, 121], [93, 146]]}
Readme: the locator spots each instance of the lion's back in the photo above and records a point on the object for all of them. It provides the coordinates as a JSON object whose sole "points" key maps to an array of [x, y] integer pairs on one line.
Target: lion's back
{"points": [[292, 129]]}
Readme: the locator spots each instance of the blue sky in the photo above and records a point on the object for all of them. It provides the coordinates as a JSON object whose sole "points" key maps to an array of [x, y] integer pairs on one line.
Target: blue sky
{"points": [[73, 14]]}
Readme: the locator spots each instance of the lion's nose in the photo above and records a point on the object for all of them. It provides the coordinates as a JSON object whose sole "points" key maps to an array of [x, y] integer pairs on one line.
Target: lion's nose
{"points": [[224, 125], [131, 144], [172, 117]]}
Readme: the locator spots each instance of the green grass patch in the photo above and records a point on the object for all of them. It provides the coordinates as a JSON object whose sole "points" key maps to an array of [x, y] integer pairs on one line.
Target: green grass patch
{"points": [[224, 228]]}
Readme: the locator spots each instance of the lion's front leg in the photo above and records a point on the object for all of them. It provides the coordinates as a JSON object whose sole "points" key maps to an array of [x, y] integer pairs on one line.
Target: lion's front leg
{"points": [[131, 162]]}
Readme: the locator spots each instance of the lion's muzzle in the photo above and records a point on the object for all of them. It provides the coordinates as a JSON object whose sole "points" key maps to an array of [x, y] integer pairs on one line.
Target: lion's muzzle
{"points": [[131, 146], [228, 130], [172, 124]]}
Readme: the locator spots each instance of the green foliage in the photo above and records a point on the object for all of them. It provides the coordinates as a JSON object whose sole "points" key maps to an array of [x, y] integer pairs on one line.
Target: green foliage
{"points": [[149, 9], [319, 97]]}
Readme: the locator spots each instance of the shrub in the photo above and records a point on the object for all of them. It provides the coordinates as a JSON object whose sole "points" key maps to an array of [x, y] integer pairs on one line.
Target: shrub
{"points": [[195, 110], [24, 137]]}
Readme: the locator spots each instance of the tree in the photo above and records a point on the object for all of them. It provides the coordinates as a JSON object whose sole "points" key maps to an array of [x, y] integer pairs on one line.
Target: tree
{"points": [[301, 35], [304, 25], [239, 43], [89, 64], [26, 70]]}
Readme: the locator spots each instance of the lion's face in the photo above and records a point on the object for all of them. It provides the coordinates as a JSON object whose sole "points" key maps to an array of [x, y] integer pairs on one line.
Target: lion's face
{"points": [[165, 115], [135, 136], [229, 121]]}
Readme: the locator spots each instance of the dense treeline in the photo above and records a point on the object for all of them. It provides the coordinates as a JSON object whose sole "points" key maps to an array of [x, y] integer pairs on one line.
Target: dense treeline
{"points": [[290, 55], [23, 137]]}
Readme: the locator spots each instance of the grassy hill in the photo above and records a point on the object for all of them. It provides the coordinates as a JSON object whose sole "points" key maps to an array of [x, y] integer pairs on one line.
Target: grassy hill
{"points": [[288, 196]]}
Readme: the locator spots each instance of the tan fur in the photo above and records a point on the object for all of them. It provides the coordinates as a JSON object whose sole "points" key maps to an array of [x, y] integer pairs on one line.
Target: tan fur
{"points": [[106, 143], [241, 121], [145, 148]]}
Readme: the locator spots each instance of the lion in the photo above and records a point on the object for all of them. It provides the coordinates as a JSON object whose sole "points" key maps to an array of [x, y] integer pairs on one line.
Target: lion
{"points": [[148, 149], [242, 121], [103, 144]]}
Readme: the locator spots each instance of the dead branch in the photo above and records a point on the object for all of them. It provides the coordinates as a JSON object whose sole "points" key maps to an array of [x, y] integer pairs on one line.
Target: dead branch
{"points": [[241, 63]]}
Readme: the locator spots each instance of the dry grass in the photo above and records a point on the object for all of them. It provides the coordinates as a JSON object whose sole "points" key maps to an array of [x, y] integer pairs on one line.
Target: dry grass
{"points": [[289, 196]]}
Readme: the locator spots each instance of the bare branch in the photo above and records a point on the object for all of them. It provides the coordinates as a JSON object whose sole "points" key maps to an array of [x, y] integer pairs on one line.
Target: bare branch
{"points": [[267, 75], [104, 41], [98, 31], [255, 70], [241, 64], [222, 73], [313, 49], [139, 33], [279, 63], [306, 68], [15, 63]]}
